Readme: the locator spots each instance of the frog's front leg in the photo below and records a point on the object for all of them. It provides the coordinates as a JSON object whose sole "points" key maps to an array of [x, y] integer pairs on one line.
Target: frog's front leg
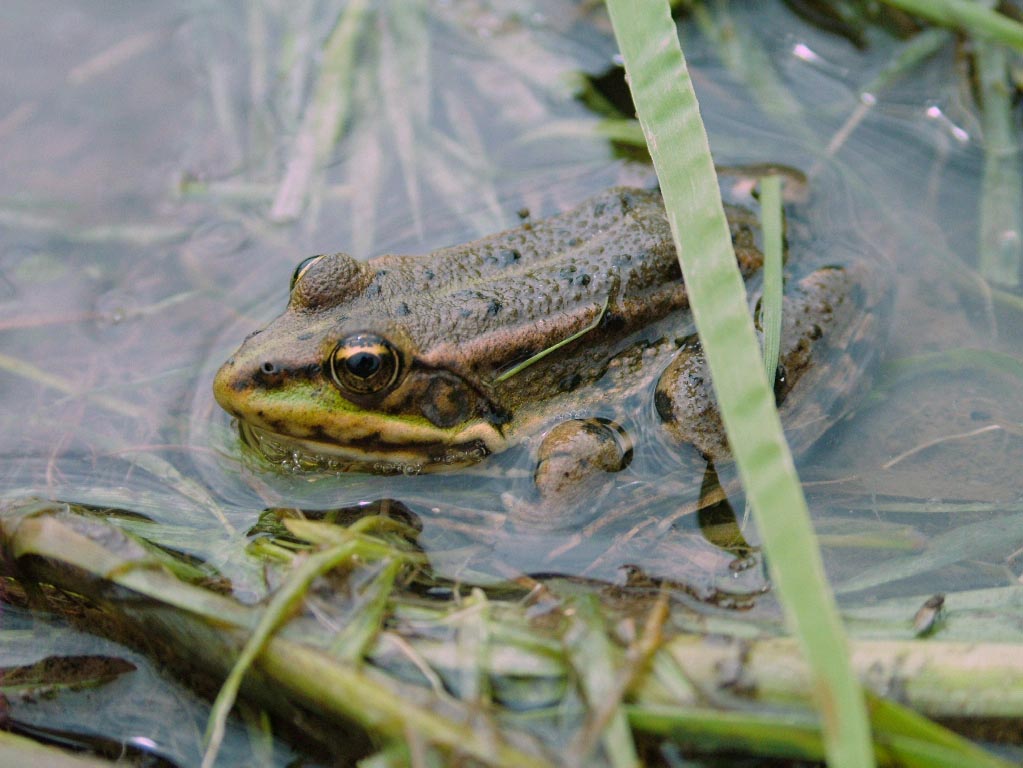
{"points": [[832, 333], [578, 453], [574, 464]]}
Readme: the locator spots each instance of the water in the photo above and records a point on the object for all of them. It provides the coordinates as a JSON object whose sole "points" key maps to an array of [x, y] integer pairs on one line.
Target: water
{"points": [[143, 150]]}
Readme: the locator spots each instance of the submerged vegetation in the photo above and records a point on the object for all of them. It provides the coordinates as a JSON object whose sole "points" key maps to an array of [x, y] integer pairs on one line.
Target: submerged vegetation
{"points": [[523, 673], [368, 632]]}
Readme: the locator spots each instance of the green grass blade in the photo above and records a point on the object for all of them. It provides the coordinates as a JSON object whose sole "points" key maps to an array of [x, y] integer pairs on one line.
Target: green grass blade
{"points": [[986, 539], [593, 655], [905, 729], [743, 54], [323, 118], [794, 736], [909, 54], [970, 16], [21, 750], [280, 607], [1001, 203], [770, 307], [668, 111]]}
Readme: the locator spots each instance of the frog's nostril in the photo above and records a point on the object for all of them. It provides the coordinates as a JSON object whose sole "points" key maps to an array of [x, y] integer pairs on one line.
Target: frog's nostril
{"points": [[268, 368]]}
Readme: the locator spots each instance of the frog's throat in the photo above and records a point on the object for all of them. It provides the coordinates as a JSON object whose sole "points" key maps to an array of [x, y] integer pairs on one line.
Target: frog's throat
{"points": [[468, 447]]}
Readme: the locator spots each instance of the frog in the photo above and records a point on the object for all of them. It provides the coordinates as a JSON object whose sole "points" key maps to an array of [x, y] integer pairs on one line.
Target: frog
{"points": [[402, 364]]}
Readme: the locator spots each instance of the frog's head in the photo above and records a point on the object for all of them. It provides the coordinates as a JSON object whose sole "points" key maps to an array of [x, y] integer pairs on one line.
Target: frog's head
{"points": [[339, 382]]}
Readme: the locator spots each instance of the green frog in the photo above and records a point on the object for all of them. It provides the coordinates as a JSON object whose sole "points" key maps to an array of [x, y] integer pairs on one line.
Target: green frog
{"points": [[407, 364]]}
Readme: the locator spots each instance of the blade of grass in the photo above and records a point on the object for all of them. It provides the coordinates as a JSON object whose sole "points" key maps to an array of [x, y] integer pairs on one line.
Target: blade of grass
{"points": [[284, 601], [355, 637], [39, 376], [942, 679], [323, 118], [593, 656], [19, 750], [967, 15], [915, 740], [744, 56], [1001, 202], [770, 308], [292, 64], [668, 111], [952, 361], [908, 55], [401, 71], [364, 167], [612, 128], [469, 142], [988, 539], [472, 644], [795, 736]]}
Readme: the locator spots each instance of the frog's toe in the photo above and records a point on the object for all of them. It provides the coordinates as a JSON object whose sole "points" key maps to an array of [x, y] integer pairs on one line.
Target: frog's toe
{"points": [[579, 452]]}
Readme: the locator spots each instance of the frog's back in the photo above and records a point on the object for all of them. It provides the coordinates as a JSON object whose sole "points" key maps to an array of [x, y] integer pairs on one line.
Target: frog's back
{"points": [[617, 221], [538, 283]]}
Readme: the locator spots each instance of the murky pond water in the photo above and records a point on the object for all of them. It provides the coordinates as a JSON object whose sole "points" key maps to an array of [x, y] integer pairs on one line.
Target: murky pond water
{"points": [[146, 231]]}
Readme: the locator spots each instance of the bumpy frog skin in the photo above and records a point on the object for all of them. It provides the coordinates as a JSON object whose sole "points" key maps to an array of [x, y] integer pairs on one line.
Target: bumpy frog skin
{"points": [[401, 363]]}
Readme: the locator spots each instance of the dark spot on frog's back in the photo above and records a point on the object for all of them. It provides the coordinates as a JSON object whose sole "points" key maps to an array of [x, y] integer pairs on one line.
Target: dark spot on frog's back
{"points": [[662, 403], [628, 200], [504, 257], [573, 276], [612, 321], [570, 382], [614, 204]]}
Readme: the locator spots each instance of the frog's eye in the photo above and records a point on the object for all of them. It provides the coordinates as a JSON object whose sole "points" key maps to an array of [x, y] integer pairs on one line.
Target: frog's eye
{"points": [[301, 269], [365, 364]]}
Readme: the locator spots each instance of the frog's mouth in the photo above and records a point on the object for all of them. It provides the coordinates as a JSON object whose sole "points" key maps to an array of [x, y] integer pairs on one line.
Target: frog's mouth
{"points": [[304, 455]]}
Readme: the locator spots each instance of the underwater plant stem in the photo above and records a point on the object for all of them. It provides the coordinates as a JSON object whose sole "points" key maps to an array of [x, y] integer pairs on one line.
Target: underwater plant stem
{"points": [[1001, 202], [324, 116], [970, 16]]}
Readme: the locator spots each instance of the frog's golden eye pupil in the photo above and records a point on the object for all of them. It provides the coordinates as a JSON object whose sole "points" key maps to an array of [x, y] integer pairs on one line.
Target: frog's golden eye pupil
{"points": [[301, 269], [365, 364]]}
